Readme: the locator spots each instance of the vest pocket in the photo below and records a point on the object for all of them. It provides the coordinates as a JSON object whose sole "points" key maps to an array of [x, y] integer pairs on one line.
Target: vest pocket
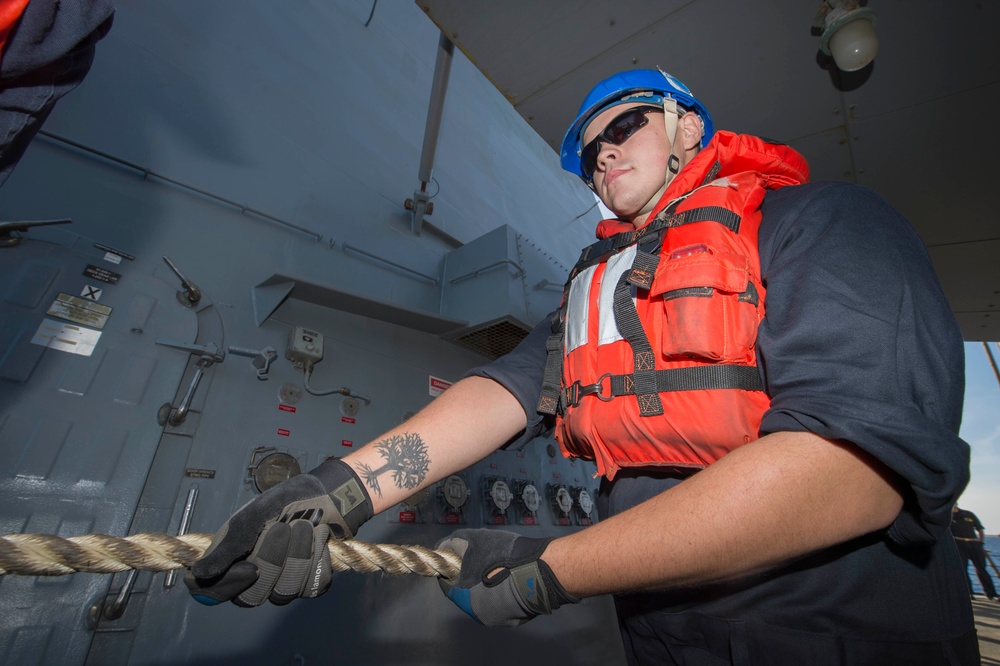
{"points": [[710, 305]]}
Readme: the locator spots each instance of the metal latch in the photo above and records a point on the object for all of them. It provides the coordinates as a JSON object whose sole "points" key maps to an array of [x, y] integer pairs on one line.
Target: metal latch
{"points": [[262, 358], [8, 228], [190, 294], [207, 356]]}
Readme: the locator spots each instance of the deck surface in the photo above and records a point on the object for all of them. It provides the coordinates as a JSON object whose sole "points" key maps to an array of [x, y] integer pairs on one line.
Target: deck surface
{"points": [[988, 627]]}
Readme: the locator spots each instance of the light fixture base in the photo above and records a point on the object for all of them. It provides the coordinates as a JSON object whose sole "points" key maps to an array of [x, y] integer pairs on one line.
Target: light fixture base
{"points": [[848, 33]]}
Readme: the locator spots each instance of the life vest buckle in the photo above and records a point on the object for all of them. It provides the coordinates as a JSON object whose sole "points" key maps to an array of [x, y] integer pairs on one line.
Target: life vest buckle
{"points": [[576, 390]]}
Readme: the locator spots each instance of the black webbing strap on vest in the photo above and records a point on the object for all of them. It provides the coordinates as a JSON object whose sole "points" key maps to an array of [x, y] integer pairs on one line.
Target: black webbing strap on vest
{"points": [[548, 401], [742, 377], [644, 359], [602, 249], [723, 216]]}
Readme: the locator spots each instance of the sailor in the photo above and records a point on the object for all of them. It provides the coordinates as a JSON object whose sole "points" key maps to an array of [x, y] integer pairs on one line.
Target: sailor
{"points": [[969, 536], [770, 381]]}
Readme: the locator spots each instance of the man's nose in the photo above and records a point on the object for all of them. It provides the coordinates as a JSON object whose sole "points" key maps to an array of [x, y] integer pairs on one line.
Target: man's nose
{"points": [[608, 154]]}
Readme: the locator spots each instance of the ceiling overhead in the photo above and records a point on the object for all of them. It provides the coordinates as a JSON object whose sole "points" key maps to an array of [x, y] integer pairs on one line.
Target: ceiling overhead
{"points": [[917, 125]]}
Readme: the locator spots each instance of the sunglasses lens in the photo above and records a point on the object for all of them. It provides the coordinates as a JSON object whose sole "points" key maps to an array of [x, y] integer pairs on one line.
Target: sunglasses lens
{"points": [[622, 127], [589, 156]]}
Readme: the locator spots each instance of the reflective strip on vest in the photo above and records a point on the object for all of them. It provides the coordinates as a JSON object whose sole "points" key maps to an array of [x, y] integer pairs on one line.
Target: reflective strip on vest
{"points": [[578, 304], [577, 309]]}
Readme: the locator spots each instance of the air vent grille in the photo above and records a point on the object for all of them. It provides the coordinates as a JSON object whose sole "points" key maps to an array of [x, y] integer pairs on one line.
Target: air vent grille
{"points": [[493, 340]]}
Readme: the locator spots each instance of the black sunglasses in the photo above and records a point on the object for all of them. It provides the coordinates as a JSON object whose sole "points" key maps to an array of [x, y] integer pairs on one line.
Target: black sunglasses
{"points": [[617, 132]]}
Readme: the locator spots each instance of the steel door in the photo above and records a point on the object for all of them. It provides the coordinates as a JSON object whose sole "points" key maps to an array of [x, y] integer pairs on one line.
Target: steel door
{"points": [[81, 379]]}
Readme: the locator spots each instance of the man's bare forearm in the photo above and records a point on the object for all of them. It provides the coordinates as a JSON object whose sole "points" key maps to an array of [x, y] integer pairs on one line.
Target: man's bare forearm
{"points": [[463, 425], [783, 496]]}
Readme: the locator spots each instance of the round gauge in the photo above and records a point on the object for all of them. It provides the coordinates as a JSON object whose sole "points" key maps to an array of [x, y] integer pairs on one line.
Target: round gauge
{"points": [[289, 394], [529, 495], [273, 469], [349, 406], [500, 494], [585, 502], [455, 491], [563, 499]]}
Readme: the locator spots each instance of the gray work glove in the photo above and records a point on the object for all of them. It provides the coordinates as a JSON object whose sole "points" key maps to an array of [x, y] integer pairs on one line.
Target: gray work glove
{"points": [[524, 588], [274, 547]]}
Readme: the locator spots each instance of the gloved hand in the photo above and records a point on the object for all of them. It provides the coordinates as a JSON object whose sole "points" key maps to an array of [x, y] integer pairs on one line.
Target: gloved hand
{"points": [[274, 547], [525, 586]]}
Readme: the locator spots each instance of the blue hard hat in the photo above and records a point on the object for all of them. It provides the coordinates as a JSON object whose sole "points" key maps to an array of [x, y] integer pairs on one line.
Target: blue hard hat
{"points": [[639, 85]]}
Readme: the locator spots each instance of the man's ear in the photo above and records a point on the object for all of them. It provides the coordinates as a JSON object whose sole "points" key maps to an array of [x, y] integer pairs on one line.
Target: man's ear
{"points": [[692, 129]]}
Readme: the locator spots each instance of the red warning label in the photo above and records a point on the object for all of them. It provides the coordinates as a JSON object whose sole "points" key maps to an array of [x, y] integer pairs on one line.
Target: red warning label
{"points": [[436, 386]]}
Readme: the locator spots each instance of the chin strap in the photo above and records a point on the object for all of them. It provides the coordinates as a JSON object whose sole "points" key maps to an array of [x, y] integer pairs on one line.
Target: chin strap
{"points": [[671, 118], [671, 123]]}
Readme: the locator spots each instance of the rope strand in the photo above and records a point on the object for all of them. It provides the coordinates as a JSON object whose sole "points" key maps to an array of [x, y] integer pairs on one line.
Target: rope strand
{"points": [[50, 555]]}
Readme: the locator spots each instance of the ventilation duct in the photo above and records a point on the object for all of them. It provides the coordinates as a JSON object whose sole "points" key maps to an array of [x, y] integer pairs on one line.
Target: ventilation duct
{"points": [[502, 285]]}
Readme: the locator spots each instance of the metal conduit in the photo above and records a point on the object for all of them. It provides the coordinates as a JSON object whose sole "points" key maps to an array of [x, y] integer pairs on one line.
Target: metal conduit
{"points": [[146, 173], [382, 260], [439, 88]]}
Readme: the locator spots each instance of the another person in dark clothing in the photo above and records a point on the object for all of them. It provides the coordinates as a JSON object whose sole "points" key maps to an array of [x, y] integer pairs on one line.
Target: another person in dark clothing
{"points": [[968, 533], [46, 48]]}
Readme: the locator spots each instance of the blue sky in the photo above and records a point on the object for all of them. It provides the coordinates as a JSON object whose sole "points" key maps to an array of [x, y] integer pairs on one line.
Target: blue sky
{"points": [[981, 429]]}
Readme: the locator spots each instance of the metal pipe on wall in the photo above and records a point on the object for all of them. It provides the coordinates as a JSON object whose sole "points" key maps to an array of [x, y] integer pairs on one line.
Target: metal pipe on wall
{"points": [[147, 173], [435, 109], [420, 205]]}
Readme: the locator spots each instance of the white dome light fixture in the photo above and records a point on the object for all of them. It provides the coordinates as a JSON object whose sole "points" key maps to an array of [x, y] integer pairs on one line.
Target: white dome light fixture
{"points": [[848, 33]]}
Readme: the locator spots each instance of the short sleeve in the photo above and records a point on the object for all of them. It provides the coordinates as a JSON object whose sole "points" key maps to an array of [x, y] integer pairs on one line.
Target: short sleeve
{"points": [[859, 344], [521, 371]]}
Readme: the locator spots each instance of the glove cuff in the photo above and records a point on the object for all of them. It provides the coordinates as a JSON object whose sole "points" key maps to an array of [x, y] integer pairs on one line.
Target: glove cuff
{"points": [[558, 596], [348, 494], [528, 550]]}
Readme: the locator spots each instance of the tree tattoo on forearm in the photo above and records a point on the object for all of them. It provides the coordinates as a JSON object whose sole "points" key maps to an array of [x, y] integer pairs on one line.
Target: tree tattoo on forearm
{"points": [[405, 456]]}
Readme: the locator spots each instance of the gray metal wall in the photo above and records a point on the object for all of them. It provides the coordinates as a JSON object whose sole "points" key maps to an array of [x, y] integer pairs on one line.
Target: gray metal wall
{"points": [[316, 120]]}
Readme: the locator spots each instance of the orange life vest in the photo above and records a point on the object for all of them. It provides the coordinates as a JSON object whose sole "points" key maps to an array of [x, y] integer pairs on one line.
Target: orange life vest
{"points": [[652, 361]]}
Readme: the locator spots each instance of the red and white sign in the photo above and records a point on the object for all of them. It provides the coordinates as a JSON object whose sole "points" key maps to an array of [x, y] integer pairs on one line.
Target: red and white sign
{"points": [[407, 516], [284, 432], [436, 386], [347, 419], [346, 442], [286, 408]]}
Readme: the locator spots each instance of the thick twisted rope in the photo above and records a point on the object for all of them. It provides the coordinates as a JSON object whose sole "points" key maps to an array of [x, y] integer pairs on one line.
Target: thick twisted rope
{"points": [[49, 555]]}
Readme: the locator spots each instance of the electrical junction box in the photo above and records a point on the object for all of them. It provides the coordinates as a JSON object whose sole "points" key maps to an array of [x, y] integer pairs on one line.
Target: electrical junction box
{"points": [[305, 347]]}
